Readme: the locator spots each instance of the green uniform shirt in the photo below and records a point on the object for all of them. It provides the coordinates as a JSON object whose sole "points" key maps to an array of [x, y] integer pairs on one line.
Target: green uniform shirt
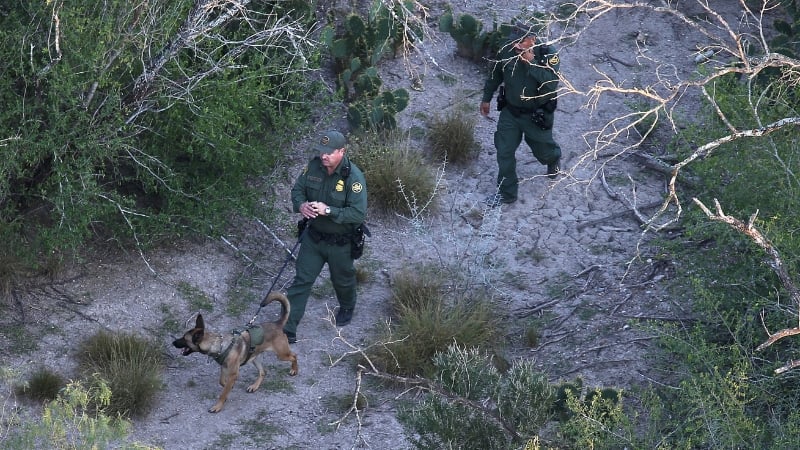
{"points": [[347, 196], [538, 80]]}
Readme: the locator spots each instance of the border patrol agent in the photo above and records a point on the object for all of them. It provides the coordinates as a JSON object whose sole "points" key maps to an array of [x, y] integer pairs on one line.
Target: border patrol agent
{"points": [[527, 101], [331, 195]]}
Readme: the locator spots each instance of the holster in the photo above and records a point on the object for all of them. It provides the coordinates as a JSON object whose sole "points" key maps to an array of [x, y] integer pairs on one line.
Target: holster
{"points": [[501, 98], [301, 226], [543, 117], [359, 238]]}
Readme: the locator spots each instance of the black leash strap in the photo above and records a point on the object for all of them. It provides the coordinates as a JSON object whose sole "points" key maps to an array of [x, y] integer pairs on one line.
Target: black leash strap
{"points": [[285, 263]]}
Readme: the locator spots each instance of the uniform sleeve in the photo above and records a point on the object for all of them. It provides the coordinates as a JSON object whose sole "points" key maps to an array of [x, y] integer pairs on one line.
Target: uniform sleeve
{"points": [[355, 210], [493, 82], [545, 71], [299, 190]]}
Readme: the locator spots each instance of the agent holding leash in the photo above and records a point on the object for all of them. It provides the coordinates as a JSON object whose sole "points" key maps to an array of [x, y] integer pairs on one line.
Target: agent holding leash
{"points": [[331, 195], [529, 72]]}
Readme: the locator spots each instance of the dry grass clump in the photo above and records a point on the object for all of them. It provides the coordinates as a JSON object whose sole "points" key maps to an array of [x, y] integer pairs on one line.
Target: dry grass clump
{"points": [[43, 385], [399, 180], [129, 364], [452, 137], [428, 320]]}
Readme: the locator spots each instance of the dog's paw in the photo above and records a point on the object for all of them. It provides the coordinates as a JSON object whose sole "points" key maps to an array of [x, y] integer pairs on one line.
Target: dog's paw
{"points": [[216, 408], [292, 372], [252, 388]]}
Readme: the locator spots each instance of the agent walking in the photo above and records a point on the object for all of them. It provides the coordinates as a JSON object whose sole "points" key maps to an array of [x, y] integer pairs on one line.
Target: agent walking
{"points": [[332, 194], [528, 72]]}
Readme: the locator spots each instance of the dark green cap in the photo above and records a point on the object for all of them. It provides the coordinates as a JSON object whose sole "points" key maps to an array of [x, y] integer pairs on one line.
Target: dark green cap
{"points": [[520, 30], [328, 141]]}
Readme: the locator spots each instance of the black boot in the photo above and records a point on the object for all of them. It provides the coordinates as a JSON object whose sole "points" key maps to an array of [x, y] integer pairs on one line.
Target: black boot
{"points": [[553, 168], [344, 316]]}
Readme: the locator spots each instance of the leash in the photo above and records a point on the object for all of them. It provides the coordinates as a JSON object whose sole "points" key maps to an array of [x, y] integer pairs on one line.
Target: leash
{"points": [[285, 263]]}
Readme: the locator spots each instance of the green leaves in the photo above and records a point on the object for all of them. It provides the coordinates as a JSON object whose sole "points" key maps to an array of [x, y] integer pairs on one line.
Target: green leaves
{"points": [[127, 127]]}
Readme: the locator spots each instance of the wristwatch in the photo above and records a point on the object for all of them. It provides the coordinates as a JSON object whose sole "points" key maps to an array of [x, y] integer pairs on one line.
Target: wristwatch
{"points": [[327, 210]]}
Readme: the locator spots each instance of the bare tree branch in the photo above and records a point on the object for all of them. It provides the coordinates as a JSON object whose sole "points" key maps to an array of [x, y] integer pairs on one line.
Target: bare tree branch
{"points": [[212, 51]]}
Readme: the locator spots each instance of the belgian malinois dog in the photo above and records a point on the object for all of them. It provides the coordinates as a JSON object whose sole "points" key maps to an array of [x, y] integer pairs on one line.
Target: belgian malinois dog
{"points": [[238, 348]]}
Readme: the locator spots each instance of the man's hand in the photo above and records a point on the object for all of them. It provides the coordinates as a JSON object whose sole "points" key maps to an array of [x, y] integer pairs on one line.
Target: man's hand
{"points": [[527, 55], [308, 210], [484, 109]]}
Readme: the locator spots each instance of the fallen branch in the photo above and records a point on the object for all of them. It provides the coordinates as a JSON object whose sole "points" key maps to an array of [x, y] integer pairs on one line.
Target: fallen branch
{"points": [[656, 164], [604, 346], [432, 387], [632, 208], [417, 383]]}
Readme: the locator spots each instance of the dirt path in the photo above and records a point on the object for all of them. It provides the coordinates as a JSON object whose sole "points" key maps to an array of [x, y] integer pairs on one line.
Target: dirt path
{"points": [[555, 257]]}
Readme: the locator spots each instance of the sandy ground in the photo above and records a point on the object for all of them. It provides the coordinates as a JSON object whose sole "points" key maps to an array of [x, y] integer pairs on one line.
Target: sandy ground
{"points": [[558, 256]]}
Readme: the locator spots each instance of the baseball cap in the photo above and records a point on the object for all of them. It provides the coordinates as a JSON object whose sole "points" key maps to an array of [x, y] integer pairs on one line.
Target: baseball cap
{"points": [[520, 30], [328, 141]]}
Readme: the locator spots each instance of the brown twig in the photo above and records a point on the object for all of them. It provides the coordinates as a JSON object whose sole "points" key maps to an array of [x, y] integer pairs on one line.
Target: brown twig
{"points": [[601, 347]]}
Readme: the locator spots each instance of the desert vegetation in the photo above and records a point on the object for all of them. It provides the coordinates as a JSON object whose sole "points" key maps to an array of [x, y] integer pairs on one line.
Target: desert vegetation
{"points": [[142, 125]]}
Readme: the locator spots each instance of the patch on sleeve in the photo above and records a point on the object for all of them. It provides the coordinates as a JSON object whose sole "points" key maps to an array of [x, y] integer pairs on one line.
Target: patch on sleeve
{"points": [[554, 60], [356, 187]]}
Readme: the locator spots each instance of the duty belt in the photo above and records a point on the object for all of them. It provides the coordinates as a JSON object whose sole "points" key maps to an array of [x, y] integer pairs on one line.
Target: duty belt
{"points": [[516, 111], [330, 238]]}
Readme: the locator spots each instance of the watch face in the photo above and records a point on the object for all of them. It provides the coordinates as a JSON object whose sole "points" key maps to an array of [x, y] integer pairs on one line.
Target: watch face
{"points": [[328, 210]]}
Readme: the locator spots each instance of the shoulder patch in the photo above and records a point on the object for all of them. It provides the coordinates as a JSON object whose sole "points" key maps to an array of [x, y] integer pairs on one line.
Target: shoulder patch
{"points": [[554, 60], [356, 187]]}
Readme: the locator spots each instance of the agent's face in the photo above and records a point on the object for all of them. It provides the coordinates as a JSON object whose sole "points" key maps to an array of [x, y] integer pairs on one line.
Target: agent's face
{"points": [[524, 44], [332, 159]]}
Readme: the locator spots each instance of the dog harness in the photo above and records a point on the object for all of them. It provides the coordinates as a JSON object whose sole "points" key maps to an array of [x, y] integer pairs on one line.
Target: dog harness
{"points": [[256, 338]]}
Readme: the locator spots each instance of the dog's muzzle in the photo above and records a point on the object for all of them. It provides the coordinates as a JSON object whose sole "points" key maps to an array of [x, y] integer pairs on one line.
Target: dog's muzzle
{"points": [[181, 343]]}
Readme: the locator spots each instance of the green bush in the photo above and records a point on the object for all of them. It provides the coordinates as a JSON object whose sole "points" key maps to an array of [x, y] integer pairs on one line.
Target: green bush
{"points": [[399, 180], [725, 394], [452, 137], [130, 365], [75, 420], [520, 399], [93, 146]]}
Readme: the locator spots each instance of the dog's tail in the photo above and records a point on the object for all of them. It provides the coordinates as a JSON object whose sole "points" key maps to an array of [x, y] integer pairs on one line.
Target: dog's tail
{"points": [[285, 306]]}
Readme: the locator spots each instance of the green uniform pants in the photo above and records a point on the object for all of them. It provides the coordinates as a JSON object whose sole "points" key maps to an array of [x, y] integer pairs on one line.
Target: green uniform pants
{"points": [[507, 138], [310, 260]]}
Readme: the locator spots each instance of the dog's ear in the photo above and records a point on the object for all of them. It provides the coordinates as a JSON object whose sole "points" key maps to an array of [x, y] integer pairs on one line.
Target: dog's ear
{"points": [[197, 336], [198, 323]]}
